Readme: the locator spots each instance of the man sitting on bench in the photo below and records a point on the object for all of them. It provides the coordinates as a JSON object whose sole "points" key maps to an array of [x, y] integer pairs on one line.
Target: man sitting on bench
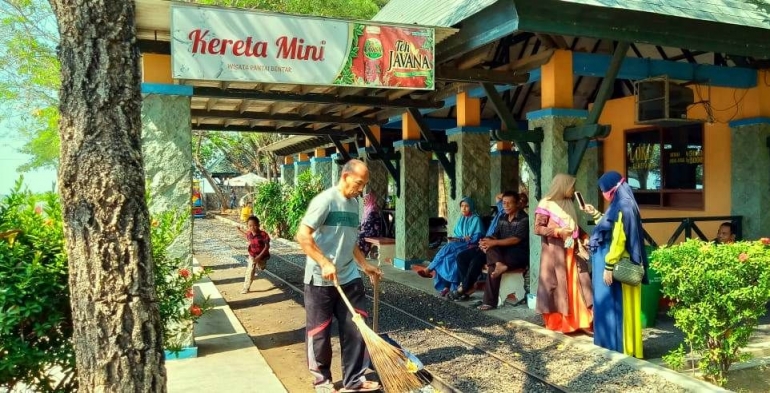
{"points": [[506, 247]]}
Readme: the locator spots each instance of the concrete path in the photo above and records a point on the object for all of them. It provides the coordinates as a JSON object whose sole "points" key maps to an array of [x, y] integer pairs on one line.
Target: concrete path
{"points": [[227, 359]]}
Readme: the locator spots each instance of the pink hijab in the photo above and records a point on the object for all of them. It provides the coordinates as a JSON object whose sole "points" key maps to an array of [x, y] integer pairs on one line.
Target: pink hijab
{"points": [[370, 203]]}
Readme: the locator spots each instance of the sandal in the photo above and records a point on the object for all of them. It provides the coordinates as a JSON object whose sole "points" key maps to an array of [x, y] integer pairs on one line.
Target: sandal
{"points": [[425, 273], [367, 386], [485, 307], [444, 292]]}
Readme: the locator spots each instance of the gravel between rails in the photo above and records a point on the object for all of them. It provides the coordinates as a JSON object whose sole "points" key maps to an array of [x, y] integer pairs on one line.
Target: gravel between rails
{"points": [[466, 368]]}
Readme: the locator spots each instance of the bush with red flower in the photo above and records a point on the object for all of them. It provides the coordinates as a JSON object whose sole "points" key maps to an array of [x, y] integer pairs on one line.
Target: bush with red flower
{"points": [[720, 292], [174, 285]]}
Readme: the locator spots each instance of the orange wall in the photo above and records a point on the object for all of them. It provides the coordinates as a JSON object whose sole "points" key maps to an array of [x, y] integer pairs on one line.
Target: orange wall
{"points": [[619, 113]]}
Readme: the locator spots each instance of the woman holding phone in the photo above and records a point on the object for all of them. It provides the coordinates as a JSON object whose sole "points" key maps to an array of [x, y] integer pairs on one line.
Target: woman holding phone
{"points": [[618, 234], [564, 296]]}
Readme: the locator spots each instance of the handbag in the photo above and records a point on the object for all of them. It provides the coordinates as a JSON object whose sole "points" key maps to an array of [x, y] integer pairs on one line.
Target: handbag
{"points": [[628, 272]]}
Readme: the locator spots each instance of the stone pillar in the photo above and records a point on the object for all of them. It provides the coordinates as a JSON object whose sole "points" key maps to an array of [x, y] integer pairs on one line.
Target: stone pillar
{"points": [[472, 163], [472, 158], [301, 166], [433, 173], [553, 121], [504, 171], [411, 214], [167, 154], [750, 174], [287, 170], [322, 167], [378, 177], [587, 181]]}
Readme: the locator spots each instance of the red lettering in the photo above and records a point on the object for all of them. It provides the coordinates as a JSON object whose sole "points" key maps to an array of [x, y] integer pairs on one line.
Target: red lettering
{"points": [[260, 49], [199, 44], [214, 45], [223, 49], [248, 47], [238, 48], [286, 49]]}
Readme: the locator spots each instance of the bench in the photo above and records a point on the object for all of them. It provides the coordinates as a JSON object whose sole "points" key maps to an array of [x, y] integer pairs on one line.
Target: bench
{"points": [[511, 283], [386, 248]]}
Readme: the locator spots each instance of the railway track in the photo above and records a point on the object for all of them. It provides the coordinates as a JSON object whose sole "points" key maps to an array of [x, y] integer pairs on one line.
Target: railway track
{"points": [[465, 350]]}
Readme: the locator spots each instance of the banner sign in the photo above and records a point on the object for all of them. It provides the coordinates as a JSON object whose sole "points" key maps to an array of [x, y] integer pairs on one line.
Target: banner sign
{"points": [[236, 45]]}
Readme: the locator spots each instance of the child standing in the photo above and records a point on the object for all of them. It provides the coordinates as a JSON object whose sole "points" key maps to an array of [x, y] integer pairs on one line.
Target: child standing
{"points": [[259, 251]]}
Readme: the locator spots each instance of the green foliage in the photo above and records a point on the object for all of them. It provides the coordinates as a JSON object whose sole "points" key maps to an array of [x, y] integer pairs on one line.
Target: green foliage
{"points": [[720, 293], [299, 197], [174, 286], [281, 207], [353, 9], [35, 318], [270, 200], [30, 78]]}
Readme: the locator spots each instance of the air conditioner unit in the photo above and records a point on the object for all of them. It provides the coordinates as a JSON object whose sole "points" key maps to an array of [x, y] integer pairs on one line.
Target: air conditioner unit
{"points": [[662, 102]]}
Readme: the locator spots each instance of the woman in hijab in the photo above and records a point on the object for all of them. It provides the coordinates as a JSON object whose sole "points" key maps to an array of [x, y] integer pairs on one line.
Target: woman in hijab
{"points": [[564, 296], [467, 233], [618, 233], [371, 226]]}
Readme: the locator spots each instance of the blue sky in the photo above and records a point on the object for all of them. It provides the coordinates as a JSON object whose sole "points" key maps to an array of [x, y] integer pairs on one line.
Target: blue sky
{"points": [[11, 159]]}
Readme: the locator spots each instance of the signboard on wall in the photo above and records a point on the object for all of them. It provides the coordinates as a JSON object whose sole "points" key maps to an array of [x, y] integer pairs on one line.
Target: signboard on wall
{"points": [[237, 45]]}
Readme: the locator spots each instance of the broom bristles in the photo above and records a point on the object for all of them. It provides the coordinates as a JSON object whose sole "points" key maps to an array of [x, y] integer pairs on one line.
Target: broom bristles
{"points": [[389, 362]]}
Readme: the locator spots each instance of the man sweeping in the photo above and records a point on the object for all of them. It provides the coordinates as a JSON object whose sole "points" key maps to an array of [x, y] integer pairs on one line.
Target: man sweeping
{"points": [[328, 235]]}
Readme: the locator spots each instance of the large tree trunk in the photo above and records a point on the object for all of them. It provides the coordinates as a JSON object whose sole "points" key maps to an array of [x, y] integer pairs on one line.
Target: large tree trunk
{"points": [[117, 328]]}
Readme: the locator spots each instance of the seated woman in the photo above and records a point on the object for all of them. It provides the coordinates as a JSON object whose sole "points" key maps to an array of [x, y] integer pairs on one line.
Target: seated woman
{"points": [[371, 226], [467, 233]]}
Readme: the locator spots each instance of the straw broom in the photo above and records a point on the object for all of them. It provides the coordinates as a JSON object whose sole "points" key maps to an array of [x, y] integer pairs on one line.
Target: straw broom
{"points": [[389, 361]]}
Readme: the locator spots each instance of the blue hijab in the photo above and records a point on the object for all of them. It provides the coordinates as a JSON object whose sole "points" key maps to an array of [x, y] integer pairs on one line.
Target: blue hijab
{"points": [[470, 225], [623, 202]]}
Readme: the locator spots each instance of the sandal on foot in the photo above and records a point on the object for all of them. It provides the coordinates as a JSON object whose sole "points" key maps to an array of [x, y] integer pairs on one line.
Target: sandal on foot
{"points": [[425, 273], [485, 307], [325, 387], [444, 293], [368, 386]]}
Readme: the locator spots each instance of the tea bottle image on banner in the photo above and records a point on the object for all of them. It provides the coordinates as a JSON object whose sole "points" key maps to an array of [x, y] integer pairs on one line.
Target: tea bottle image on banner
{"points": [[373, 54]]}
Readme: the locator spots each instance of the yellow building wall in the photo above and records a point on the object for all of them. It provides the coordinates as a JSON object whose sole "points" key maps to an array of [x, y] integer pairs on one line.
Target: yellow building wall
{"points": [[727, 105]]}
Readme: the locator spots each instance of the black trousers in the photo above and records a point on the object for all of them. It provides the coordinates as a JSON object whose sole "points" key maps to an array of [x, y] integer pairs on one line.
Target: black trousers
{"points": [[321, 305], [512, 257], [470, 263]]}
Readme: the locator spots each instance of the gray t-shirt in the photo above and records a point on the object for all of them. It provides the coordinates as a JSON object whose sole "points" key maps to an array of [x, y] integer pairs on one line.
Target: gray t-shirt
{"points": [[334, 220]]}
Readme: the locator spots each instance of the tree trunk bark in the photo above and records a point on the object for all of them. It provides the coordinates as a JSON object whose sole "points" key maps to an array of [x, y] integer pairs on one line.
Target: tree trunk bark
{"points": [[223, 202], [117, 328]]}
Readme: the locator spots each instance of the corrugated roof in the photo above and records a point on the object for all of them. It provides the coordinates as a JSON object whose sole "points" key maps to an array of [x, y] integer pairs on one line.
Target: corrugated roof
{"points": [[753, 13], [444, 13]]}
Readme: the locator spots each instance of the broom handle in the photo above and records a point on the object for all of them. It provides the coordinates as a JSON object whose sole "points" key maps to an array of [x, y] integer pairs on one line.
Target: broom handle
{"points": [[345, 298], [376, 317]]}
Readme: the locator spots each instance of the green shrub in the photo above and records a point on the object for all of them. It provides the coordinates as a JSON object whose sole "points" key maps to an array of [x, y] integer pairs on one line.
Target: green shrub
{"points": [[35, 317], [280, 208], [720, 293], [270, 201], [299, 197]]}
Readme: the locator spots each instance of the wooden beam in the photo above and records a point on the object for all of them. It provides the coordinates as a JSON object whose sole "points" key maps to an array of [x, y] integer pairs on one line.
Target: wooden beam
{"points": [[488, 25], [211, 92], [270, 130], [477, 75], [283, 117]]}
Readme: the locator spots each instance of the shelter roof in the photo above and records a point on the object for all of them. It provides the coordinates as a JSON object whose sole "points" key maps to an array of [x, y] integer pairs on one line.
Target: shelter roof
{"points": [[754, 13], [430, 12]]}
